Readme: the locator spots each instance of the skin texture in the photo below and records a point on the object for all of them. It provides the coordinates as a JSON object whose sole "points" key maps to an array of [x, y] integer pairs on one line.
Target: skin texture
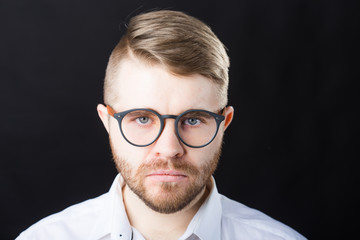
{"points": [[165, 182]]}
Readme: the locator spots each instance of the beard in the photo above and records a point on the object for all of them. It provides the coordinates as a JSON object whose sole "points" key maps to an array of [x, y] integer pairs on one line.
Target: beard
{"points": [[171, 197]]}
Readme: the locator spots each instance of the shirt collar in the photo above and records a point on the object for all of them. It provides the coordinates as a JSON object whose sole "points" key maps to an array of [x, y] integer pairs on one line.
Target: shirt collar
{"points": [[206, 224], [114, 222]]}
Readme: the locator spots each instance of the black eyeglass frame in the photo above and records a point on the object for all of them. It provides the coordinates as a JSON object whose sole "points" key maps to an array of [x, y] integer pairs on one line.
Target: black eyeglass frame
{"points": [[120, 115]]}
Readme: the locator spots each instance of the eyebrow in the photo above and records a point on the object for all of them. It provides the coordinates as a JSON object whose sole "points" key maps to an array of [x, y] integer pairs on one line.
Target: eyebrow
{"points": [[198, 114], [140, 112]]}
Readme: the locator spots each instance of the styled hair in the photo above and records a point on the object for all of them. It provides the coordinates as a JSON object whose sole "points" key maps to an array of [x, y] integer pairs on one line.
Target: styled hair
{"points": [[183, 44]]}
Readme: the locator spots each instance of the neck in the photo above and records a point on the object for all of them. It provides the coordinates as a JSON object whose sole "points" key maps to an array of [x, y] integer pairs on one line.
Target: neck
{"points": [[154, 225]]}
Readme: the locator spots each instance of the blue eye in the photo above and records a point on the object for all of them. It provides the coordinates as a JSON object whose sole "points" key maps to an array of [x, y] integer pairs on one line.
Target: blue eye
{"points": [[192, 121], [143, 120]]}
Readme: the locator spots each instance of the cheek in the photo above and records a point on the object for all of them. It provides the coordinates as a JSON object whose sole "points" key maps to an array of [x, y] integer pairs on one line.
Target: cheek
{"points": [[118, 142], [203, 156], [215, 146], [123, 150]]}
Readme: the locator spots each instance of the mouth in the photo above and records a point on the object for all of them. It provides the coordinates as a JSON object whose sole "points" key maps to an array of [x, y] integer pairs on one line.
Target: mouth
{"points": [[167, 176]]}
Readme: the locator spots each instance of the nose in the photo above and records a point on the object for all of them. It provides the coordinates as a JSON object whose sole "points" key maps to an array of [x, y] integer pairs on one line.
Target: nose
{"points": [[168, 145]]}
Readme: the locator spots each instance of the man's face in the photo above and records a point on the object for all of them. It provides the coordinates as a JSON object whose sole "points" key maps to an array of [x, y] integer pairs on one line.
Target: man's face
{"points": [[166, 175]]}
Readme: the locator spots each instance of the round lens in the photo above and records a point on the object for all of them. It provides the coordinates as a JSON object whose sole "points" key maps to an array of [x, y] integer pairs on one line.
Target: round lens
{"points": [[197, 128], [140, 127]]}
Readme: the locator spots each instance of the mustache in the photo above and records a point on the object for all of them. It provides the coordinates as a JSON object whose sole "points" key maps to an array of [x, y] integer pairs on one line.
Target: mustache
{"points": [[169, 164]]}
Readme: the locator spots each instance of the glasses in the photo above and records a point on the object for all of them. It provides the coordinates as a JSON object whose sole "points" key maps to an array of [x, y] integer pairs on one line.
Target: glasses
{"points": [[141, 127]]}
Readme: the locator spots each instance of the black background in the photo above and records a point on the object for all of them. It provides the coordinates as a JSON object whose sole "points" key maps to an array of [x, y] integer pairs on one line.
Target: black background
{"points": [[290, 151]]}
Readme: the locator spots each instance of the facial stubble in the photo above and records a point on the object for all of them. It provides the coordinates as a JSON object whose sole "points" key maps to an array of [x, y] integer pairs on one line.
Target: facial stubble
{"points": [[171, 197]]}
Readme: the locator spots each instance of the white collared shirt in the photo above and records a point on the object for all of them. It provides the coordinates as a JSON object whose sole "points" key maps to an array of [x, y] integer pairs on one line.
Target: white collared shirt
{"points": [[104, 218]]}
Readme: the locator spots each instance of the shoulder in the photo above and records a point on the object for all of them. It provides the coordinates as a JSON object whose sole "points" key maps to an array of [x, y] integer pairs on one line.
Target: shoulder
{"points": [[240, 220], [73, 222]]}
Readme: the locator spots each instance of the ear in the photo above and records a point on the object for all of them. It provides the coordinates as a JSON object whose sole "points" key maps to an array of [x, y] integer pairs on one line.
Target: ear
{"points": [[229, 114], [104, 116]]}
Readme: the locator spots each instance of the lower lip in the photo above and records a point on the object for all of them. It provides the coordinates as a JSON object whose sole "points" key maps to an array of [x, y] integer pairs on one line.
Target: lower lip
{"points": [[167, 178]]}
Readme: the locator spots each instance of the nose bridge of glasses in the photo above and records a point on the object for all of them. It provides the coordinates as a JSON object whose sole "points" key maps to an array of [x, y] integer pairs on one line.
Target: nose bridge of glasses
{"points": [[163, 117], [169, 116]]}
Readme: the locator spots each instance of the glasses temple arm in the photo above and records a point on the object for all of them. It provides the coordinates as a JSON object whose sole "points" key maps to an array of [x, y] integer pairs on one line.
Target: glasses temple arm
{"points": [[110, 110]]}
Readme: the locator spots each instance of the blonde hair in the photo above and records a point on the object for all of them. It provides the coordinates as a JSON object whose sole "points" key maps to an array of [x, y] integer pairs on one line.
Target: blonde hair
{"points": [[182, 43]]}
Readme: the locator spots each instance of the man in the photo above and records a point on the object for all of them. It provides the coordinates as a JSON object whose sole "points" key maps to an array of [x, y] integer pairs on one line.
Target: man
{"points": [[165, 110]]}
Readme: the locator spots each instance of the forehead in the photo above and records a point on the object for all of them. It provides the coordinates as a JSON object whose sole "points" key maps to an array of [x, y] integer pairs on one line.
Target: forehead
{"points": [[141, 85]]}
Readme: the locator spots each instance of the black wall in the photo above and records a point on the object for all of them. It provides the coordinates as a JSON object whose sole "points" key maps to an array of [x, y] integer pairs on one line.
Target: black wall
{"points": [[290, 151]]}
